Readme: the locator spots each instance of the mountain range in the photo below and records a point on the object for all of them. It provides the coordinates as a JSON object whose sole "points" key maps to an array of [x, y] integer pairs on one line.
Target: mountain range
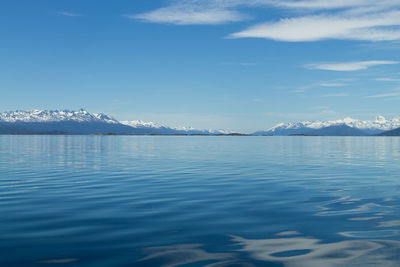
{"points": [[343, 127], [84, 122]]}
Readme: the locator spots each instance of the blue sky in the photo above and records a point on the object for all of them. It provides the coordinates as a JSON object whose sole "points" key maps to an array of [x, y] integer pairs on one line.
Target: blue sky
{"points": [[232, 64]]}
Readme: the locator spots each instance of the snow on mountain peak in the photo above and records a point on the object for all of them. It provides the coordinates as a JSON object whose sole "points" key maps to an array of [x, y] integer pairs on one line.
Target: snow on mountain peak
{"points": [[44, 116], [348, 120], [380, 119], [380, 124], [142, 124], [54, 116]]}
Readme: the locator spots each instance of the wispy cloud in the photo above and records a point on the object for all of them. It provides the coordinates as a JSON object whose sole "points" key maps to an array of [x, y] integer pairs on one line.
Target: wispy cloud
{"points": [[336, 95], [300, 90], [367, 27], [243, 64], [384, 95], [317, 85], [349, 66], [331, 84], [338, 4], [367, 20], [69, 14], [307, 20], [319, 108], [191, 13], [387, 80]]}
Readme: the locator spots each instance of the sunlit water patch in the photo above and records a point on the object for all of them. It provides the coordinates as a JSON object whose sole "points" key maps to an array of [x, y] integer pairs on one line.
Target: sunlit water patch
{"points": [[199, 201]]}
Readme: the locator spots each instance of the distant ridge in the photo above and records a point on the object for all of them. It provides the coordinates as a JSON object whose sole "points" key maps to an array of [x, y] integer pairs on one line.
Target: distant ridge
{"points": [[81, 115], [162, 129], [84, 122], [395, 132], [338, 130], [367, 127]]}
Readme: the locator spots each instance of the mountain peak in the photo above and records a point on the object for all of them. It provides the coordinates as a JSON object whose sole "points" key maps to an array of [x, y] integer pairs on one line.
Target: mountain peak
{"points": [[349, 120], [54, 116], [141, 124], [380, 124], [380, 119]]}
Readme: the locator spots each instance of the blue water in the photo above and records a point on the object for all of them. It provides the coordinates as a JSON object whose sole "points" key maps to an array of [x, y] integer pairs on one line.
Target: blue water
{"points": [[199, 201]]}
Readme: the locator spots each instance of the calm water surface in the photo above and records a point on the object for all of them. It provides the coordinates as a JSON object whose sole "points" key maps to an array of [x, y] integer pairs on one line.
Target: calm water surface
{"points": [[199, 201]]}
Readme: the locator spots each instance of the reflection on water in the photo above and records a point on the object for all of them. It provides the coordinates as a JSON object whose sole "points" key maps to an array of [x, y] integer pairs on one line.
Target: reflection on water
{"points": [[371, 234], [290, 251], [365, 218], [288, 233], [308, 252], [394, 223], [58, 261], [363, 208], [177, 255], [194, 201]]}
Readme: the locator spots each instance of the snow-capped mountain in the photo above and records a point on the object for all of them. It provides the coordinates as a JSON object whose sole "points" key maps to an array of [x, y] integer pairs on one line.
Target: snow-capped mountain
{"points": [[162, 129], [142, 124], [61, 122], [379, 125], [84, 122], [55, 116]]}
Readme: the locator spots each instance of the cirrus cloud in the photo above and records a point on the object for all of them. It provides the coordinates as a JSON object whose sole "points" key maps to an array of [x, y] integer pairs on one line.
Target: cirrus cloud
{"points": [[384, 26], [69, 14], [349, 66], [193, 12], [393, 94], [338, 4], [331, 84], [306, 21], [189, 17]]}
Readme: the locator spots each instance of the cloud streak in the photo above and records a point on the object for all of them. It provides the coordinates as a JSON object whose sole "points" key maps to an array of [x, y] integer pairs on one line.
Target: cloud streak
{"points": [[384, 26], [194, 12], [338, 4], [331, 84], [349, 66], [69, 14], [306, 21], [336, 95], [387, 80], [192, 17], [384, 95]]}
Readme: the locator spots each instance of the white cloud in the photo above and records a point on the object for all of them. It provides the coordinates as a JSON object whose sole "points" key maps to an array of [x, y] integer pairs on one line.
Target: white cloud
{"points": [[192, 13], [306, 21], [335, 4], [319, 108], [331, 84], [350, 66], [336, 95], [387, 80], [384, 95], [69, 14], [377, 27], [347, 79]]}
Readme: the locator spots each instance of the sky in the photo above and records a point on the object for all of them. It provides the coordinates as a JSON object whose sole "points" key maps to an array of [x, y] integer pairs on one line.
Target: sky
{"points": [[239, 65]]}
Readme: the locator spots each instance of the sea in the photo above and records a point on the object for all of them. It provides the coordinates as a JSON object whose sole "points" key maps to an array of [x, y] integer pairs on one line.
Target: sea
{"points": [[199, 201]]}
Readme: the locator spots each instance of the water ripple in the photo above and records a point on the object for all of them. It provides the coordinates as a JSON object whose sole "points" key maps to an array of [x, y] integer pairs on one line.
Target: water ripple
{"points": [[126, 200]]}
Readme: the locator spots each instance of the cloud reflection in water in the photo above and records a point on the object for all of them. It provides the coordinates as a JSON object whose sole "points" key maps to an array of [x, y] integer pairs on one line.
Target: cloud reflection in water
{"points": [[178, 255], [289, 251], [315, 253]]}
